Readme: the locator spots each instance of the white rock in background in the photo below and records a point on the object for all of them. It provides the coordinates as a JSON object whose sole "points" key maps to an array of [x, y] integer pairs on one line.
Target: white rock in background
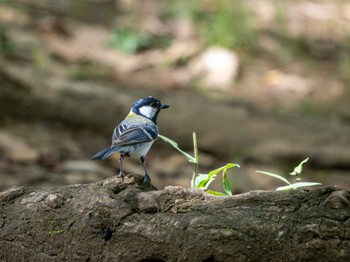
{"points": [[216, 68]]}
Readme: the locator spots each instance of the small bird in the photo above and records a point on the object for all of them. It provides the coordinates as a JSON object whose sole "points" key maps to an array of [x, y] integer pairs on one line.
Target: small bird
{"points": [[135, 135]]}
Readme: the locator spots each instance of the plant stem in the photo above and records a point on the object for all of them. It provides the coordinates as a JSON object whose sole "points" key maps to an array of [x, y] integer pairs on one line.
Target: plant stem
{"points": [[195, 148]]}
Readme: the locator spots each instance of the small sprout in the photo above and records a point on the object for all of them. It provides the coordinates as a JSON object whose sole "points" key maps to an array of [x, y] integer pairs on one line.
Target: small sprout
{"points": [[299, 168], [296, 172], [203, 181]]}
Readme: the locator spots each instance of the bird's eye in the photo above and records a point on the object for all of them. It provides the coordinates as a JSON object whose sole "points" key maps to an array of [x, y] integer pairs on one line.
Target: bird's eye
{"points": [[154, 104]]}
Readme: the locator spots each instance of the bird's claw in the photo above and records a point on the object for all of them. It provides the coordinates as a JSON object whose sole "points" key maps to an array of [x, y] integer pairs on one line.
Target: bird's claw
{"points": [[146, 179], [121, 175]]}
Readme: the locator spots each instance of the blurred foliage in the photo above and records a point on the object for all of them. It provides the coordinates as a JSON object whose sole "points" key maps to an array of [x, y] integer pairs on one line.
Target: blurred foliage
{"points": [[222, 23], [130, 41], [6, 45], [225, 23], [228, 24], [344, 65], [89, 71], [219, 22]]}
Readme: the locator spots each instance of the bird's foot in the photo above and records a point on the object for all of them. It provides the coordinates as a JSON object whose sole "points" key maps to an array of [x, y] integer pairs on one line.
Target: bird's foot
{"points": [[121, 175], [146, 179]]}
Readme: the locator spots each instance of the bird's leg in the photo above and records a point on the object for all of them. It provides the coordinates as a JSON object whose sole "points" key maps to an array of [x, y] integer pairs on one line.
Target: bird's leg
{"points": [[121, 171], [146, 177]]}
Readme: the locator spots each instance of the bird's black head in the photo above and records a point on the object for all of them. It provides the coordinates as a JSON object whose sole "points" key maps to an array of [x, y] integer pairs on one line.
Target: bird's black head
{"points": [[148, 107]]}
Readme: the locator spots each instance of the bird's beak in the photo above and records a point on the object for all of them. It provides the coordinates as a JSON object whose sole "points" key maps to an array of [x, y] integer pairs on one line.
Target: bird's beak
{"points": [[164, 106]]}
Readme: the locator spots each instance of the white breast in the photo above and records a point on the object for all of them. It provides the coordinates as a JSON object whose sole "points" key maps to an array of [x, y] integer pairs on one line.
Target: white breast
{"points": [[137, 150]]}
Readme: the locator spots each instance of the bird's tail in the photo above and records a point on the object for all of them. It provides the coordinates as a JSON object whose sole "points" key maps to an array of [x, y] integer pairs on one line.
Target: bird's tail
{"points": [[104, 153]]}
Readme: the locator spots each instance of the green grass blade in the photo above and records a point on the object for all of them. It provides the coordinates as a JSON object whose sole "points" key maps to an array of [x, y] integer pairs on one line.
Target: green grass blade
{"points": [[176, 146], [298, 185], [274, 175]]}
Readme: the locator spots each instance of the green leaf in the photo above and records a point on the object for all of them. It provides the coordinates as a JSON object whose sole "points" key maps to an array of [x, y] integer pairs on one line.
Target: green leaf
{"points": [[298, 185], [299, 168], [215, 193], [220, 169], [227, 186], [204, 180], [128, 40], [176, 146], [226, 183], [274, 175]]}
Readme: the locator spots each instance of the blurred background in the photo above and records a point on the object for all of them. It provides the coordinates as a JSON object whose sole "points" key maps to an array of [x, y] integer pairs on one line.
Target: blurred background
{"points": [[263, 83]]}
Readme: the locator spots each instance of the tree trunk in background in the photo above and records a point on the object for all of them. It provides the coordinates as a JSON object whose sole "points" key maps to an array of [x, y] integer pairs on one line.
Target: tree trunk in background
{"points": [[125, 221], [224, 128]]}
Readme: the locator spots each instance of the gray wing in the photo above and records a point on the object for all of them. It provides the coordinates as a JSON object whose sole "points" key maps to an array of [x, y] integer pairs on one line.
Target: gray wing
{"points": [[124, 135]]}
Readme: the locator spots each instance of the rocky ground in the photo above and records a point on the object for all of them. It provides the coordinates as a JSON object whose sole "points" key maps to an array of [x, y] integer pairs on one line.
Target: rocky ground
{"points": [[113, 220]]}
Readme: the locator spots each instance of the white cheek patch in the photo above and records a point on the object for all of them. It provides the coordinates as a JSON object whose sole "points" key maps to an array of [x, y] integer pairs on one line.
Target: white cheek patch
{"points": [[148, 111]]}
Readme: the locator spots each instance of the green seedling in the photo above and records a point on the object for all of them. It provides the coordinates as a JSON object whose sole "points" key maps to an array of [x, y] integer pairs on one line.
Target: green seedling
{"points": [[203, 181], [296, 173]]}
